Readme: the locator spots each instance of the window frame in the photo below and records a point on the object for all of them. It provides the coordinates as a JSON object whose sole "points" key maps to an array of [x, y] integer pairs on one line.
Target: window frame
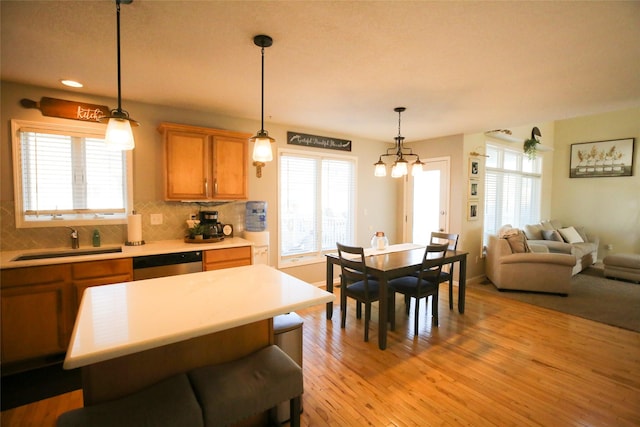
{"points": [[89, 129], [318, 256]]}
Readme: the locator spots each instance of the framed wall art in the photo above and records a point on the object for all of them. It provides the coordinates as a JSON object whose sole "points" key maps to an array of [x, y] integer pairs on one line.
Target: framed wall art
{"points": [[472, 193], [474, 167], [598, 159], [472, 211]]}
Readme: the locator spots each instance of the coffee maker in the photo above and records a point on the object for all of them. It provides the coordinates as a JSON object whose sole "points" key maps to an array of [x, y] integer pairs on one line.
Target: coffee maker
{"points": [[212, 228]]}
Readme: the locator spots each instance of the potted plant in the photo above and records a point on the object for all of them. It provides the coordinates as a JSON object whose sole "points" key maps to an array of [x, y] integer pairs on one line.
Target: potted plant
{"points": [[197, 231], [530, 148], [530, 144]]}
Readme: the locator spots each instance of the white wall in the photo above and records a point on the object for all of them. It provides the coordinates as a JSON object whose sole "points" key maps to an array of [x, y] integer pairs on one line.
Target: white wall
{"points": [[610, 207]]}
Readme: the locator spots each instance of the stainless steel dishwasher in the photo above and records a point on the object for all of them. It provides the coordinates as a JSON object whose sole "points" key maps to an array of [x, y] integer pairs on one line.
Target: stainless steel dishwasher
{"points": [[161, 265]]}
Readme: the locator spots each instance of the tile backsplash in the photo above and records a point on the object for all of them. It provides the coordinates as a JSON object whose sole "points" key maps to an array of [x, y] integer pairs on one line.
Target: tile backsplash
{"points": [[174, 215]]}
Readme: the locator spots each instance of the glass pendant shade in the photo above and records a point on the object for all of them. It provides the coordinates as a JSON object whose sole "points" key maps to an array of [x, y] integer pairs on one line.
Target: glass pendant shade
{"points": [[400, 167], [380, 168], [119, 135], [395, 171], [262, 147], [416, 168]]}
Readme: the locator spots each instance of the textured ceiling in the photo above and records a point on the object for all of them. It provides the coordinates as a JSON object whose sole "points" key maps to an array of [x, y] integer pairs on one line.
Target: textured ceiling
{"points": [[341, 66]]}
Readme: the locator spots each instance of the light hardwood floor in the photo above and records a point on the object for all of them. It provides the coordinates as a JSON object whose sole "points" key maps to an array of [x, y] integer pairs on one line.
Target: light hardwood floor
{"points": [[502, 363]]}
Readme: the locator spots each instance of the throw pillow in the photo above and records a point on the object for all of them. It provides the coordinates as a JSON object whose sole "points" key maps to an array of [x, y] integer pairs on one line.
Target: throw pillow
{"points": [[533, 231], [518, 242], [570, 235], [552, 235], [504, 232]]}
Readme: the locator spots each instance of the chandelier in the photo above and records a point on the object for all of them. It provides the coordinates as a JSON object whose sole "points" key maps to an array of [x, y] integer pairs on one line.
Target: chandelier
{"points": [[400, 165]]}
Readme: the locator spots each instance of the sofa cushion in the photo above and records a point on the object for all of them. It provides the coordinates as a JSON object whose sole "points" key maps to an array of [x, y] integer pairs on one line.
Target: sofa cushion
{"points": [[534, 231], [552, 235], [570, 235], [552, 224], [518, 242], [582, 232], [583, 248]]}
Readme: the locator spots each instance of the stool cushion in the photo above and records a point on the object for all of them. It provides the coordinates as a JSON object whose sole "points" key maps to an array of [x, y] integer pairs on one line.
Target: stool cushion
{"points": [[170, 402], [233, 391], [286, 322]]}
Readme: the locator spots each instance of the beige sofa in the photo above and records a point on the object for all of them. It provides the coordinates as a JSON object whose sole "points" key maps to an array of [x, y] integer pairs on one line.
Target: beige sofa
{"points": [[584, 247], [536, 271]]}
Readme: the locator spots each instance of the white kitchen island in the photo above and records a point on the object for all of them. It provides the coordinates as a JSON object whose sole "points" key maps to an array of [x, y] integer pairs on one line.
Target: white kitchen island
{"points": [[130, 335]]}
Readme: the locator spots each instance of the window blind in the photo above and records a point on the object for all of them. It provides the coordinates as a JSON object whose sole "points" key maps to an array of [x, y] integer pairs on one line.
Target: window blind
{"points": [[512, 189], [64, 174], [317, 198]]}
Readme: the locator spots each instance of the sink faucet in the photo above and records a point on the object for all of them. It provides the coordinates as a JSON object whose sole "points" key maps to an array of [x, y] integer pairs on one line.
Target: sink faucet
{"points": [[75, 242]]}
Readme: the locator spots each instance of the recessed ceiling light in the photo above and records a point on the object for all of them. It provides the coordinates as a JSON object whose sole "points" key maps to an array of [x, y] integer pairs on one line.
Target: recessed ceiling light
{"points": [[71, 83]]}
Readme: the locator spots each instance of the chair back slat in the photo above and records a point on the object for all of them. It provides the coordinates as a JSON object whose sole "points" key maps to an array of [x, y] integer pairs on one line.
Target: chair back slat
{"points": [[438, 238], [431, 253], [352, 263]]}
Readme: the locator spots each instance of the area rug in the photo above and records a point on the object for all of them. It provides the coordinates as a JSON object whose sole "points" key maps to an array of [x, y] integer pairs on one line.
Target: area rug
{"points": [[594, 297]]}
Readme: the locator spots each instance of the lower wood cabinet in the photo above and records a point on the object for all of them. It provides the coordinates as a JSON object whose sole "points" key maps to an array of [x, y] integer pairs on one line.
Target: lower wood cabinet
{"points": [[95, 273], [217, 259], [39, 306], [35, 312]]}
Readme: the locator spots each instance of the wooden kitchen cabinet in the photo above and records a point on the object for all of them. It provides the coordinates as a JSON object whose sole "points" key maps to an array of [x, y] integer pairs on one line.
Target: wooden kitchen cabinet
{"points": [[217, 259], [35, 312], [95, 273], [40, 304], [204, 163]]}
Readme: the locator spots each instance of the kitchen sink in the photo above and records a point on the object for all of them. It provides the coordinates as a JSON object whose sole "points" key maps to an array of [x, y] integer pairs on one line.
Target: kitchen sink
{"points": [[69, 253]]}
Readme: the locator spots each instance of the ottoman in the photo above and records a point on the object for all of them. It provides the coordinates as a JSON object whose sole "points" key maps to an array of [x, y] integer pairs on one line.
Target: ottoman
{"points": [[622, 266]]}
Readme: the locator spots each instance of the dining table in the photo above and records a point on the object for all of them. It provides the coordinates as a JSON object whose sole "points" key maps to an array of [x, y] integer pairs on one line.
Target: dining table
{"points": [[396, 261]]}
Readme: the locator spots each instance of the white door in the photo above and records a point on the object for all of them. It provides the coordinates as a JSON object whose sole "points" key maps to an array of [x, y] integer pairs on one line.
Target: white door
{"points": [[427, 203]]}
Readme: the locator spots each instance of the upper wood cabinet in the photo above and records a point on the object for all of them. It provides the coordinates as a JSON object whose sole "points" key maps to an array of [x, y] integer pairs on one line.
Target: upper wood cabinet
{"points": [[204, 163]]}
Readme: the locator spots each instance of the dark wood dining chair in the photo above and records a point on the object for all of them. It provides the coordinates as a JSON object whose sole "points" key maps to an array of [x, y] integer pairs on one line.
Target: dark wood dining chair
{"points": [[357, 284], [423, 284], [446, 275]]}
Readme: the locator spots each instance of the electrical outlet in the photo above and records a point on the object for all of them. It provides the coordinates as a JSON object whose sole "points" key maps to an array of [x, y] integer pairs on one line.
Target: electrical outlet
{"points": [[156, 219], [610, 247]]}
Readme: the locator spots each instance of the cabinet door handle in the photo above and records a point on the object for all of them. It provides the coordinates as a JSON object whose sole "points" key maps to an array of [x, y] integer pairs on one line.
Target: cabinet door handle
{"points": [[215, 186], [206, 187]]}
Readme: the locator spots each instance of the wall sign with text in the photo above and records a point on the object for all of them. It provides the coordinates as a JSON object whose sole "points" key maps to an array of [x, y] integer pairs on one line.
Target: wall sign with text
{"points": [[316, 141], [64, 109]]}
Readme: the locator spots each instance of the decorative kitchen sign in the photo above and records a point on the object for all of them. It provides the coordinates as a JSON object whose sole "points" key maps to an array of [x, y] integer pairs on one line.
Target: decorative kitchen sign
{"points": [[296, 138], [53, 107]]}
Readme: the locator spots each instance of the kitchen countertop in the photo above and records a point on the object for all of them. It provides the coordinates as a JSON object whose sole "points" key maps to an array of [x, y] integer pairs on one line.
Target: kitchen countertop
{"points": [[150, 248], [126, 318]]}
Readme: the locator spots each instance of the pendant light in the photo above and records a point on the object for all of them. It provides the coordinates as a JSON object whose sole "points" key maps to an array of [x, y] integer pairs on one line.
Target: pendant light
{"points": [[119, 135], [262, 141], [400, 166]]}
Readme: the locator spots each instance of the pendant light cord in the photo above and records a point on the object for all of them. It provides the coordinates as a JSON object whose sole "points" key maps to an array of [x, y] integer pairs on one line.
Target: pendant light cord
{"points": [[118, 38], [262, 100]]}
